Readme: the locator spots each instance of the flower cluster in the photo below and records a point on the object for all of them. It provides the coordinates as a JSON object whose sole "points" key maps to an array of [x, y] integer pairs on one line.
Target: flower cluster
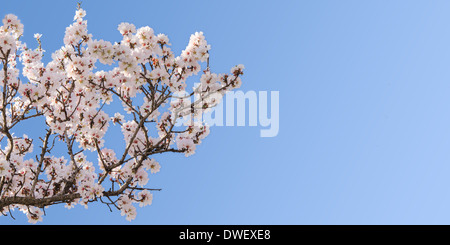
{"points": [[71, 96]]}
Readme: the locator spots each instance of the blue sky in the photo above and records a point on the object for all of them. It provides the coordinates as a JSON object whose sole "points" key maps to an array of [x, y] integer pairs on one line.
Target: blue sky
{"points": [[364, 111]]}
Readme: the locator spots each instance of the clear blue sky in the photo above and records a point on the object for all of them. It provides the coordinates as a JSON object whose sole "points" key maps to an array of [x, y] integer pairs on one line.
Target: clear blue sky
{"points": [[364, 111]]}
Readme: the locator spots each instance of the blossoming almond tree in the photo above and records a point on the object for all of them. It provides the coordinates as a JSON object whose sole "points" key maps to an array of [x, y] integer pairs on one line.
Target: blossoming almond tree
{"points": [[145, 76]]}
